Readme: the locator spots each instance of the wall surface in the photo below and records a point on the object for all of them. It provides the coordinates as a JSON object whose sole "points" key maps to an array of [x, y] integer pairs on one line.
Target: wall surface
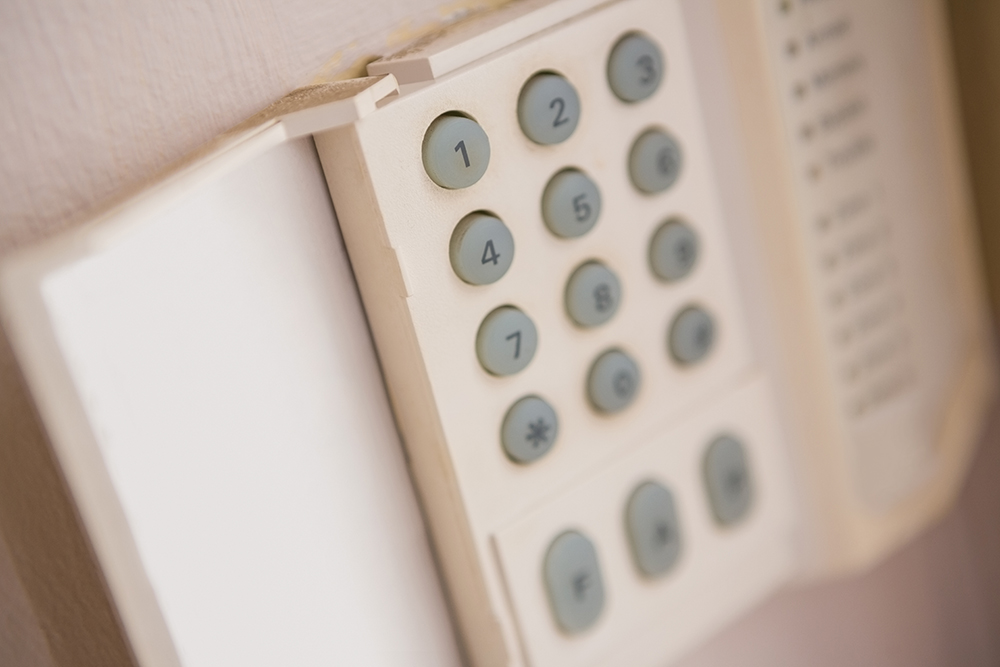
{"points": [[96, 97]]}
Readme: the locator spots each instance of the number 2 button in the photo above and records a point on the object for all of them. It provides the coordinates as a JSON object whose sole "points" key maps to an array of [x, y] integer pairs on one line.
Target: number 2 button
{"points": [[548, 109], [456, 151]]}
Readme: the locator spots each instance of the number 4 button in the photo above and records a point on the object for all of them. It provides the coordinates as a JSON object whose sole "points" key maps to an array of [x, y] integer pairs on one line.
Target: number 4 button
{"points": [[482, 249]]}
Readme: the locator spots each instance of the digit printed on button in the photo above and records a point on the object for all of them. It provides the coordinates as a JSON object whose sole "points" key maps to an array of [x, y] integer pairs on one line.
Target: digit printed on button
{"points": [[548, 109], [635, 68], [655, 161], [571, 204], [506, 341], [456, 151], [481, 249]]}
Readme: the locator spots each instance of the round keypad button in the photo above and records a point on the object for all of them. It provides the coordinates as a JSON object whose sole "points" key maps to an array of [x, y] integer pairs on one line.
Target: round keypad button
{"points": [[673, 250], [592, 294], [635, 68], [548, 109], [613, 381], [506, 341], [655, 161], [456, 151], [529, 429], [692, 334], [571, 203], [481, 249]]}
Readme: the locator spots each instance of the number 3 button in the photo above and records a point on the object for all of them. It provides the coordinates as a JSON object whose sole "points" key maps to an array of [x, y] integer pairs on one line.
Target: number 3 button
{"points": [[548, 109], [482, 249], [456, 151], [506, 341]]}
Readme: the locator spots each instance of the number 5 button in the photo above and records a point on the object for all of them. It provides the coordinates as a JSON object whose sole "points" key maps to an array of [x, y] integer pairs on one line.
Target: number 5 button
{"points": [[571, 203], [506, 341], [456, 151]]}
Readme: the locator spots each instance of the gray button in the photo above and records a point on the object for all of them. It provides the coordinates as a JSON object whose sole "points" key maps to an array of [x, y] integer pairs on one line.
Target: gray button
{"points": [[635, 68], [482, 249], [653, 529], [613, 381], [456, 151], [571, 204], [655, 161], [673, 250], [548, 109], [592, 294], [727, 479], [529, 429], [692, 334], [506, 341], [573, 580]]}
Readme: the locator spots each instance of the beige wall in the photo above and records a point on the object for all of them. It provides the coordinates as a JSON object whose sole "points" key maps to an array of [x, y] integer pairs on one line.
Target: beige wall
{"points": [[97, 96]]}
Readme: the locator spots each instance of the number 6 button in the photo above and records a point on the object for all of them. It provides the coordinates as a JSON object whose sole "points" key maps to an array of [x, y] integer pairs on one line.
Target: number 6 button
{"points": [[506, 341], [456, 151], [548, 109]]}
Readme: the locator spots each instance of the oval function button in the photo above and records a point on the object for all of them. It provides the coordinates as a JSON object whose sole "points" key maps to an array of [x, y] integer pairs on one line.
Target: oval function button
{"points": [[655, 161], [653, 529], [727, 480], [673, 250], [613, 381], [456, 151], [548, 109], [529, 429], [592, 294], [481, 249], [692, 334], [573, 581], [571, 203], [635, 68], [506, 341]]}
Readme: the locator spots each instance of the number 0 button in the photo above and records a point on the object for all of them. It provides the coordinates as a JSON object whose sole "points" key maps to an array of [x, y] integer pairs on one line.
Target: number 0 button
{"points": [[571, 203], [506, 341], [613, 381], [456, 151], [635, 68], [548, 109], [655, 161], [482, 249]]}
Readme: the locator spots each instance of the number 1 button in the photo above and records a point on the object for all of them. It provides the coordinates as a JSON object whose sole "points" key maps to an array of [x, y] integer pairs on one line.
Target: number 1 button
{"points": [[506, 341], [456, 151], [548, 109]]}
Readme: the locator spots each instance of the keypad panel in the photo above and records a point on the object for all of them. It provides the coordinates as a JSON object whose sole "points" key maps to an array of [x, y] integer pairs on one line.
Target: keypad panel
{"points": [[596, 284]]}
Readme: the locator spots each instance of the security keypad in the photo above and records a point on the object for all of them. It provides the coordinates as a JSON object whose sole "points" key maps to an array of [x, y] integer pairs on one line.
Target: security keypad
{"points": [[556, 315]]}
